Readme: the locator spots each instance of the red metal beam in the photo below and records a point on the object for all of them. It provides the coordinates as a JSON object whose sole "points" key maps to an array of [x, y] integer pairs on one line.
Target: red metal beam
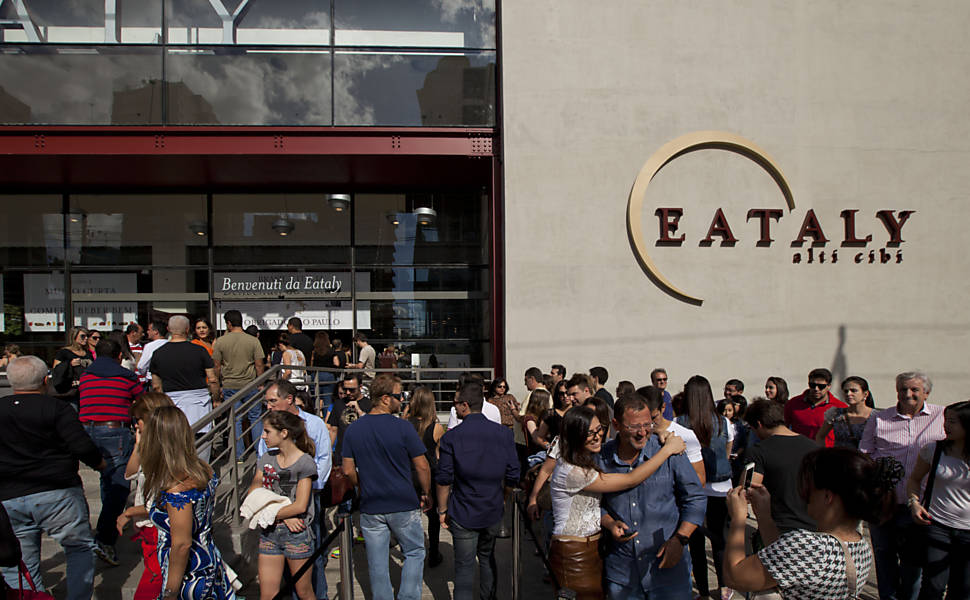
{"points": [[251, 141]]}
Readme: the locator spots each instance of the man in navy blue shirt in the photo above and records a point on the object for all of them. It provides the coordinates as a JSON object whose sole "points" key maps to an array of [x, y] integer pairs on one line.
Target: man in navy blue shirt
{"points": [[378, 452], [475, 460], [650, 523]]}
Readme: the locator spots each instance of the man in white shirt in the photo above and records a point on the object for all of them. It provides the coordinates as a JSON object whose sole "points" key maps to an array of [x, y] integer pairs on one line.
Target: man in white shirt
{"points": [[490, 411], [158, 336], [655, 403]]}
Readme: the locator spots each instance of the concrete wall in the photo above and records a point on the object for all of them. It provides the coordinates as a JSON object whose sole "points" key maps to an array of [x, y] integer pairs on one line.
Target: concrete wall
{"points": [[862, 104]]}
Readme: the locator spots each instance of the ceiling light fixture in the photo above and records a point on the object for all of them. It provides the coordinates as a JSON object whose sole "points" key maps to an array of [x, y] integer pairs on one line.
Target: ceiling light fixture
{"points": [[283, 226], [198, 228], [426, 215], [338, 202]]}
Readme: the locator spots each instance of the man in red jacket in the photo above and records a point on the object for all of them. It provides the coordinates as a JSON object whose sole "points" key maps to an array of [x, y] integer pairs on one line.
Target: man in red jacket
{"points": [[805, 413]]}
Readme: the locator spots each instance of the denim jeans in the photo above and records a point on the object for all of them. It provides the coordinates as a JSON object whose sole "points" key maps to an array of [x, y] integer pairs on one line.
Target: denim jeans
{"points": [[407, 528], [325, 384], [254, 414], [63, 515], [897, 580], [947, 563], [116, 444], [468, 543], [634, 591]]}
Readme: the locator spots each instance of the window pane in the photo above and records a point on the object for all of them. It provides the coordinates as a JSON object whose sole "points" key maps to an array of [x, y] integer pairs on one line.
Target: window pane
{"points": [[32, 231], [89, 85], [425, 279], [416, 23], [388, 231], [243, 230], [414, 89], [294, 22], [231, 86], [137, 229], [83, 22], [433, 326]]}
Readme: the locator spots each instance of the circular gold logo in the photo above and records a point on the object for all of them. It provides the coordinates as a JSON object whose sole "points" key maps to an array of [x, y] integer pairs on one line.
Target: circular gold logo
{"points": [[698, 140]]}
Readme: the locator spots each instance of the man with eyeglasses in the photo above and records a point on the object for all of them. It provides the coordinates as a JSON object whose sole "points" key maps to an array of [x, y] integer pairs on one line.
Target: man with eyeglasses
{"points": [[379, 450], [658, 379], [650, 523], [805, 413], [660, 424]]}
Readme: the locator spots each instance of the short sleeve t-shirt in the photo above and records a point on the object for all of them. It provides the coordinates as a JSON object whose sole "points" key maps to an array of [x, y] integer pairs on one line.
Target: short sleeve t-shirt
{"points": [[367, 357], [382, 447], [181, 366], [237, 353], [950, 503], [811, 566], [690, 440], [778, 459], [283, 481]]}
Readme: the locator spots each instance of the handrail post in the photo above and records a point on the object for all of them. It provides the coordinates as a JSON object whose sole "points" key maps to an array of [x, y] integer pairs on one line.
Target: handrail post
{"points": [[234, 461], [516, 546], [346, 556]]}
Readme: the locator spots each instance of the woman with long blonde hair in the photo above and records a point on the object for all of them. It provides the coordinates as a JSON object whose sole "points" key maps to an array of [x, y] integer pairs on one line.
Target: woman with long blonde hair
{"points": [[67, 378], [182, 488], [423, 415]]}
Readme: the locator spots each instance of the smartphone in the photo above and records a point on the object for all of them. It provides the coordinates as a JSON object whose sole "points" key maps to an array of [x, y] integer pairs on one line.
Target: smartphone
{"points": [[748, 474]]}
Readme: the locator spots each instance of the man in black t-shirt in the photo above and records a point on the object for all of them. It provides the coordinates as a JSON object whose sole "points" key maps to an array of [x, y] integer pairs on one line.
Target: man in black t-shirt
{"points": [[777, 460], [186, 372], [298, 339], [349, 405]]}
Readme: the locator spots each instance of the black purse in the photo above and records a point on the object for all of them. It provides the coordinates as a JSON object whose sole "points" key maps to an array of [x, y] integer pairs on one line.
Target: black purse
{"points": [[913, 540]]}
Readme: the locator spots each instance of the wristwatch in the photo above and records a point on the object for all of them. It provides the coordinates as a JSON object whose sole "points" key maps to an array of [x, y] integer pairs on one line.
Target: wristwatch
{"points": [[681, 538]]}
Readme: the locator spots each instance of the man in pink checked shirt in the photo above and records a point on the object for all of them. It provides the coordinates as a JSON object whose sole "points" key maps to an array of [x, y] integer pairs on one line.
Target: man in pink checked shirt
{"points": [[900, 431]]}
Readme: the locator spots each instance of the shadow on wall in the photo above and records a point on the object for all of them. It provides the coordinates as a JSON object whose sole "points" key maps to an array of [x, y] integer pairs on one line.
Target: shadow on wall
{"points": [[840, 362]]}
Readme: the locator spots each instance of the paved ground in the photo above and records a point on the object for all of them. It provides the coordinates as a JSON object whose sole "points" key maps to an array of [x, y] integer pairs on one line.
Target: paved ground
{"points": [[119, 583]]}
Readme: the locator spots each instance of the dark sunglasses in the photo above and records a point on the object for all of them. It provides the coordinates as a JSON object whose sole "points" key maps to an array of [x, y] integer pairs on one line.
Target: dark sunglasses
{"points": [[818, 386]]}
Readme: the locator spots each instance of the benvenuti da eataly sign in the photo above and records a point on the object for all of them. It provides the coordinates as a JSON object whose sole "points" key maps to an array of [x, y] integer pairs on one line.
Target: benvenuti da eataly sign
{"points": [[864, 238]]}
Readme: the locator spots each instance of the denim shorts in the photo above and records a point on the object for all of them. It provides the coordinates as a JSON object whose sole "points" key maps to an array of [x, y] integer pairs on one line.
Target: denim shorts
{"points": [[278, 540]]}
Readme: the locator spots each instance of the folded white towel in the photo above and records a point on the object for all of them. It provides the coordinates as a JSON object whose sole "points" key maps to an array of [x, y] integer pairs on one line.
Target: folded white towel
{"points": [[261, 506]]}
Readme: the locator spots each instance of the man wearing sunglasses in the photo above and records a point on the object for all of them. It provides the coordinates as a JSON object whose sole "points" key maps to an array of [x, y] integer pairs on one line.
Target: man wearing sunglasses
{"points": [[379, 450], [805, 413]]}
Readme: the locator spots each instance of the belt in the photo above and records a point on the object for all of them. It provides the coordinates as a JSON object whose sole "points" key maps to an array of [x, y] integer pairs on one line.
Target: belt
{"points": [[577, 538], [111, 424]]}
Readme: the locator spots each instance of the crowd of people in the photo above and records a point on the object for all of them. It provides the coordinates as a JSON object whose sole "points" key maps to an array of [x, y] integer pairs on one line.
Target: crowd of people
{"points": [[626, 489]]}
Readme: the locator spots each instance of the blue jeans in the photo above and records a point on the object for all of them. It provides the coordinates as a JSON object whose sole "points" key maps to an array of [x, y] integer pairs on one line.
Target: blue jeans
{"points": [[325, 381], [255, 416], [116, 444], [897, 580], [634, 591], [947, 563], [409, 532], [468, 543], [63, 515]]}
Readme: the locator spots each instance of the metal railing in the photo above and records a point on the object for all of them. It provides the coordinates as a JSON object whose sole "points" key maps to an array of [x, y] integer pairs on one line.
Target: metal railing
{"points": [[442, 381]]}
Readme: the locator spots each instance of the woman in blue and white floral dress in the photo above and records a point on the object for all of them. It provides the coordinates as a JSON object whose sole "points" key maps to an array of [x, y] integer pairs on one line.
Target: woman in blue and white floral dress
{"points": [[183, 488]]}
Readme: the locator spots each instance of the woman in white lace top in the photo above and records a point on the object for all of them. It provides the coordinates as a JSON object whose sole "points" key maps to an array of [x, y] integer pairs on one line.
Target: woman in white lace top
{"points": [[576, 486]]}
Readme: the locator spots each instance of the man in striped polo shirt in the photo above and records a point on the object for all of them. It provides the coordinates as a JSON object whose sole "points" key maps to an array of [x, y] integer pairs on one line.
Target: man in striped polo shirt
{"points": [[107, 391]]}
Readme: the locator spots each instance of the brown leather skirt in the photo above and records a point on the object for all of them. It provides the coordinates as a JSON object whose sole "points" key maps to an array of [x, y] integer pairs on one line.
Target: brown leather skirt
{"points": [[577, 565]]}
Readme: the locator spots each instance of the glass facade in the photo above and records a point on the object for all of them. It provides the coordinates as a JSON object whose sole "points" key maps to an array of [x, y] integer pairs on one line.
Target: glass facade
{"points": [[410, 269], [240, 62]]}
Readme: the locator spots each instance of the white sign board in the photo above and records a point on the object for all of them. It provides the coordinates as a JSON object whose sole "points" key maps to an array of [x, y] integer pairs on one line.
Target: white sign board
{"points": [[276, 284], [44, 301]]}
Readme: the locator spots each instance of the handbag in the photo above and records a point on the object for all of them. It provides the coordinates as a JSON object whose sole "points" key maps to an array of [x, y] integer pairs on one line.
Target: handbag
{"points": [[26, 594], [338, 486], [913, 542]]}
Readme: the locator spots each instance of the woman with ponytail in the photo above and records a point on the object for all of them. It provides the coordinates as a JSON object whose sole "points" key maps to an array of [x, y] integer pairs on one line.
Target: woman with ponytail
{"points": [[841, 487], [288, 472]]}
